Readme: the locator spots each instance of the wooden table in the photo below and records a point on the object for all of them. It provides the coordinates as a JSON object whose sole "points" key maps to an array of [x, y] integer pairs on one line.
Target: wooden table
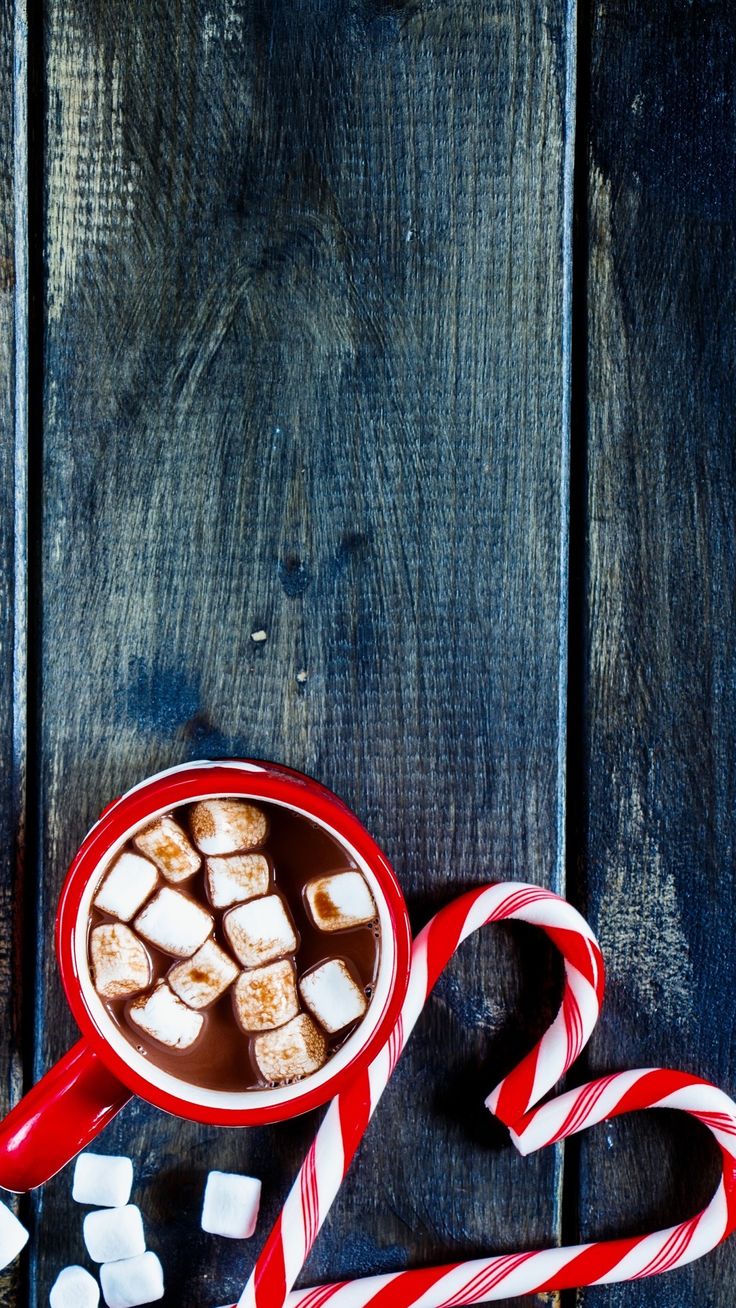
{"points": [[404, 333]]}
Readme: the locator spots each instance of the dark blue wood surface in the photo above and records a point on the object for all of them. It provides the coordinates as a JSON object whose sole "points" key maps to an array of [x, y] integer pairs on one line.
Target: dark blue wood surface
{"points": [[317, 349], [654, 657]]}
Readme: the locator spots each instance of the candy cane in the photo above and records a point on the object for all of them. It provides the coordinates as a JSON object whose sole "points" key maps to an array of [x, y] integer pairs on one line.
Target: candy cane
{"points": [[346, 1119], [598, 1263]]}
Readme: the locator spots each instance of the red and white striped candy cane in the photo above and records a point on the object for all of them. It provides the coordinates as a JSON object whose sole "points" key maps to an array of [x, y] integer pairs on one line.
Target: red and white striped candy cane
{"points": [[346, 1119], [598, 1263]]}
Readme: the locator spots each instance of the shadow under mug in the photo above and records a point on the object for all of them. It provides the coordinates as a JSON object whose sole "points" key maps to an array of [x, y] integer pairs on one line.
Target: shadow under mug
{"points": [[92, 1082]]}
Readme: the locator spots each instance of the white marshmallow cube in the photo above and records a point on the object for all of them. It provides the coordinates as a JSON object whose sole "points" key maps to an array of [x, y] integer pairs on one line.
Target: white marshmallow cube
{"points": [[231, 1205], [260, 930], [169, 847], [265, 997], [291, 1051], [13, 1236], [119, 962], [104, 1180], [173, 923], [332, 995], [164, 1017], [237, 878], [132, 1282], [74, 1287], [340, 901], [114, 1233], [129, 882], [224, 826], [201, 979]]}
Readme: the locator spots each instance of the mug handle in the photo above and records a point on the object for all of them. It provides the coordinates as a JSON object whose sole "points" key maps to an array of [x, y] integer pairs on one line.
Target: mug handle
{"points": [[67, 1108]]}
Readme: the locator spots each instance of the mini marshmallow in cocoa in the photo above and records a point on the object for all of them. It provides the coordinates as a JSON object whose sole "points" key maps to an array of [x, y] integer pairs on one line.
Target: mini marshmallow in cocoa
{"points": [[201, 979], [127, 885], [332, 995], [164, 1017], [234, 878], [265, 997], [227, 826], [169, 847], [291, 1051], [340, 901], [260, 930], [174, 923], [120, 962]]}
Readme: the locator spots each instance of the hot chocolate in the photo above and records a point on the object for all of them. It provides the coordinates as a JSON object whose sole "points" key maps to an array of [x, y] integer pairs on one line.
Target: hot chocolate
{"points": [[235, 945]]}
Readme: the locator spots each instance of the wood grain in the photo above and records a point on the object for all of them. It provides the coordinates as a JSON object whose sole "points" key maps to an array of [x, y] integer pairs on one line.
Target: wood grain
{"points": [[659, 640], [304, 321], [12, 574], [8, 814]]}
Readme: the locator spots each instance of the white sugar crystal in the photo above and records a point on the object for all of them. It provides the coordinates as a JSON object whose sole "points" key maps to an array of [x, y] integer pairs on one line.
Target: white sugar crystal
{"points": [[74, 1287], [104, 1180], [133, 1281], [13, 1236], [169, 847], [164, 1017], [231, 1205], [266, 997], [120, 963], [129, 882], [175, 924], [224, 826], [340, 901], [113, 1233], [234, 879], [260, 930], [201, 979], [332, 995], [292, 1051]]}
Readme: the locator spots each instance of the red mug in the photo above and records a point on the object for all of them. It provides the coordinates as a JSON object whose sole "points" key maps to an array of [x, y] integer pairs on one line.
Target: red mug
{"points": [[91, 1083]]}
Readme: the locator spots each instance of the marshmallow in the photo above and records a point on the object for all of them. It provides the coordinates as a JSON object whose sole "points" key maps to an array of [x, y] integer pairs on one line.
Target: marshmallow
{"points": [[291, 1051], [133, 1281], [13, 1236], [74, 1288], [241, 876], [332, 995], [201, 979], [260, 930], [113, 1233], [231, 1205], [340, 901], [165, 842], [120, 963], [173, 923], [104, 1180], [165, 1018], [266, 996], [223, 826], [128, 884]]}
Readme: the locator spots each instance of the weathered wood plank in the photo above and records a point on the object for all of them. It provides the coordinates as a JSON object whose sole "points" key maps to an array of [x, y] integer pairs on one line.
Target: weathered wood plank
{"points": [[304, 314], [661, 703], [12, 556]]}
